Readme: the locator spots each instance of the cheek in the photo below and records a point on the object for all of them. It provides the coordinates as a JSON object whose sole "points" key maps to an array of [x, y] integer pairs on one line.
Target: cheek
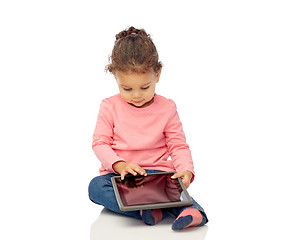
{"points": [[125, 96], [148, 95], [151, 92]]}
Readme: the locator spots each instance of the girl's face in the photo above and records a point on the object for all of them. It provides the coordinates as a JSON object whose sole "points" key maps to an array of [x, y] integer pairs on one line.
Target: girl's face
{"points": [[138, 89]]}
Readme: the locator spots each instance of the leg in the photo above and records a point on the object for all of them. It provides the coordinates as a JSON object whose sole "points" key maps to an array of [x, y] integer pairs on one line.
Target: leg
{"points": [[191, 216], [101, 192]]}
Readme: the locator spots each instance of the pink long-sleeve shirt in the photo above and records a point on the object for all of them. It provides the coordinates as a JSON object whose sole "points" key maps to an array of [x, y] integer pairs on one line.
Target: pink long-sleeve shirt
{"points": [[151, 137]]}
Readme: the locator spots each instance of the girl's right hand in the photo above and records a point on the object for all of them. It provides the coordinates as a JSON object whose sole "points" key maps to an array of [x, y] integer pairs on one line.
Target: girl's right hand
{"points": [[123, 168]]}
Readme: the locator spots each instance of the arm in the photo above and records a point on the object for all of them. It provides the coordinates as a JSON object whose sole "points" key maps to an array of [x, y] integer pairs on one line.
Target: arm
{"points": [[102, 144], [103, 137], [178, 148]]}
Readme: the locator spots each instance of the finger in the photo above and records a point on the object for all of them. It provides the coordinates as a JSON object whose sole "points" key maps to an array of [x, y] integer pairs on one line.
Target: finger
{"points": [[140, 170], [131, 171], [143, 172], [125, 172], [176, 175], [122, 175]]}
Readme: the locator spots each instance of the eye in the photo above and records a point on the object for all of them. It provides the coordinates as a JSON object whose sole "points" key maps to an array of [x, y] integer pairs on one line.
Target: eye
{"points": [[144, 88], [127, 89]]}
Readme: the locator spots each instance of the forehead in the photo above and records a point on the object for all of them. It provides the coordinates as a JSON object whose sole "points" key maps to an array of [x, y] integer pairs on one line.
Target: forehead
{"points": [[134, 79]]}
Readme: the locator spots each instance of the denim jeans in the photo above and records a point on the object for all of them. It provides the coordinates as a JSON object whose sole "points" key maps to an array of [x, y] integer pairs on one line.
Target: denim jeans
{"points": [[101, 192]]}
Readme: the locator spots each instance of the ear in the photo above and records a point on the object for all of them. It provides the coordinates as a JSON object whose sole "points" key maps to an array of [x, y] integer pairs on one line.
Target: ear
{"points": [[158, 76]]}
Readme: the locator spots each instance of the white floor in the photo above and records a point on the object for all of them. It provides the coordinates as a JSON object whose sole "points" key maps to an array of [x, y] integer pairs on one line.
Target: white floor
{"points": [[240, 223], [127, 228]]}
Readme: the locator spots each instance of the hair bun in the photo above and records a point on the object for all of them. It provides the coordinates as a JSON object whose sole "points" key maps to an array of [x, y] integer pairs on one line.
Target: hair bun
{"points": [[132, 31], [134, 51]]}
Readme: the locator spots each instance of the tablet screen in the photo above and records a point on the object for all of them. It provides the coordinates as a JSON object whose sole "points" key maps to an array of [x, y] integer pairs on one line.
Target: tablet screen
{"points": [[152, 189]]}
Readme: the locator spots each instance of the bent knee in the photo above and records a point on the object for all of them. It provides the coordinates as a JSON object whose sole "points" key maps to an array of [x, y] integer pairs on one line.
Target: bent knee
{"points": [[98, 186]]}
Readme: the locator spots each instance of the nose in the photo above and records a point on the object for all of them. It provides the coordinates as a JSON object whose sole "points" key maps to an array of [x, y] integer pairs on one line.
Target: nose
{"points": [[136, 94]]}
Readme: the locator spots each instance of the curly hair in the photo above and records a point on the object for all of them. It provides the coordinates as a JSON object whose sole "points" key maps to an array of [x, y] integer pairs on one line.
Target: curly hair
{"points": [[134, 51]]}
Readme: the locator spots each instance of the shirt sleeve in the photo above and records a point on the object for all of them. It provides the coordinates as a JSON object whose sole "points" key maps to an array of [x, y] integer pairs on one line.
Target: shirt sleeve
{"points": [[176, 143], [103, 137]]}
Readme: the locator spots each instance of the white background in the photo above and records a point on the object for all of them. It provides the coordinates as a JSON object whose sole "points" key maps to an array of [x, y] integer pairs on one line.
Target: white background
{"points": [[223, 66]]}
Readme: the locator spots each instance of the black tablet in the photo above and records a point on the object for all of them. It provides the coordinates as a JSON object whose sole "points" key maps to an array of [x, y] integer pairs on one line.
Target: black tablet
{"points": [[156, 190]]}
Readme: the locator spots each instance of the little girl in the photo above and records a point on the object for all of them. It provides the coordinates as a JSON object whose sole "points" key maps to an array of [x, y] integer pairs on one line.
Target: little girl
{"points": [[139, 132]]}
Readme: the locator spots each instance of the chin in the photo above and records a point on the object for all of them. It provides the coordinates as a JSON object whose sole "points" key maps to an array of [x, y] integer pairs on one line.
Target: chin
{"points": [[138, 105]]}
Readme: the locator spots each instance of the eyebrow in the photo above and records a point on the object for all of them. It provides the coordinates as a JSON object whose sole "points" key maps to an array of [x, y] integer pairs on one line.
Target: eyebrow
{"points": [[123, 86], [146, 84]]}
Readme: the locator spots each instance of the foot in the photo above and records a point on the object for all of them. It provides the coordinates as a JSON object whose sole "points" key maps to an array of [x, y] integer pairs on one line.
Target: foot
{"points": [[189, 217], [152, 217]]}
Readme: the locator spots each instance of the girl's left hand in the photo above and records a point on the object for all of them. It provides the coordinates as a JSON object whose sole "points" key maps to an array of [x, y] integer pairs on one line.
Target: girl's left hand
{"points": [[185, 176]]}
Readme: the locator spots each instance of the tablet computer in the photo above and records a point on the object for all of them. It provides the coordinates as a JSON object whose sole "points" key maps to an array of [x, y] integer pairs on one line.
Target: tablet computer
{"points": [[156, 190]]}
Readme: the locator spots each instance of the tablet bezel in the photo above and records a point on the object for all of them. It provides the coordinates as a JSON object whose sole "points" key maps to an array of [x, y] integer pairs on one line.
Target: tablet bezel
{"points": [[122, 207]]}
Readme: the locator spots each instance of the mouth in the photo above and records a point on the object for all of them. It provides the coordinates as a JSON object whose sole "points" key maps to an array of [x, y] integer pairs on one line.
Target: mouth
{"points": [[137, 102]]}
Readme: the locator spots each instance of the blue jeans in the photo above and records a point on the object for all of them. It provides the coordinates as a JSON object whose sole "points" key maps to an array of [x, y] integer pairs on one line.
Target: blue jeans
{"points": [[101, 192]]}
